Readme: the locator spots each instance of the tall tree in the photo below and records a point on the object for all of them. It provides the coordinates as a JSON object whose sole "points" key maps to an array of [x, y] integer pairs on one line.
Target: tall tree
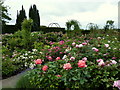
{"points": [[20, 17], [73, 25], [34, 15], [4, 11]]}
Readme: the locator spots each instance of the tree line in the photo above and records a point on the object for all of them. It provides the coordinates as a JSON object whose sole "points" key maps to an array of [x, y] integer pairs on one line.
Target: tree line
{"points": [[33, 14]]}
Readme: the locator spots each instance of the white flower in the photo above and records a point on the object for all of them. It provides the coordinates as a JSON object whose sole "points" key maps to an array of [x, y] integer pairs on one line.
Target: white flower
{"points": [[26, 54], [98, 37], [101, 63], [94, 48], [108, 41], [109, 48], [114, 48], [31, 65], [25, 64], [34, 50], [64, 57], [80, 45], [73, 43], [113, 62]]}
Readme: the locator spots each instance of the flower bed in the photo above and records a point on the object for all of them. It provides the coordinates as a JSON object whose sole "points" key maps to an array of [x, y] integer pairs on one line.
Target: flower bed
{"points": [[70, 60]]}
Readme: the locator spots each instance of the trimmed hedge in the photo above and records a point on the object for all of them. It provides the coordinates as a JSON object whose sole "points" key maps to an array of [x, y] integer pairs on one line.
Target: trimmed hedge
{"points": [[9, 29], [52, 29], [13, 29]]}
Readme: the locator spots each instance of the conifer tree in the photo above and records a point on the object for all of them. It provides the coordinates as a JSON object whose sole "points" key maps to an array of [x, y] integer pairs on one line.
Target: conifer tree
{"points": [[34, 15], [20, 17]]}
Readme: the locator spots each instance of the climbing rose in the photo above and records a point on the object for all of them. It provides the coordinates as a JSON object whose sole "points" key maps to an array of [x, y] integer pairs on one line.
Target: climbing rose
{"points": [[58, 58], [82, 63], [117, 84], [67, 66], [38, 61], [45, 67]]}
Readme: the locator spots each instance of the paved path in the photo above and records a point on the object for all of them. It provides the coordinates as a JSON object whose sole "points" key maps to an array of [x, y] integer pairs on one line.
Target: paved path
{"points": [[11, 82]]}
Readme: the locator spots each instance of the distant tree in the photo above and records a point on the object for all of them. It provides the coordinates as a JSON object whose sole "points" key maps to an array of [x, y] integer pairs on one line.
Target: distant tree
{"points": [[73, 25], [4, 11], [92, 26], [20, 17], [109, 25], [34, 15]]}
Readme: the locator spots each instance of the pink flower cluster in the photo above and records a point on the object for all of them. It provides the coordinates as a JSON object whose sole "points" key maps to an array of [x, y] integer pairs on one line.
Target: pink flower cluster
{"points": [[61, 42], [117, 84], [67, 66], [107, 63]]}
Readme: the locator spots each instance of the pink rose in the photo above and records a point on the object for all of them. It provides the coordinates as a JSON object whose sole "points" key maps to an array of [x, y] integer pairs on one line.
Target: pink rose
{"points": [[67, 66], [99, 60], [61, 53], [38, 61], [101, 63], [117, 84], [82, 63], [113, 57], [58, 58], [84, 43], [96, 50], [61, 42], [106, 45], [58, 75], [49, 57], [45, 67], [72, 58], [84, 59]]}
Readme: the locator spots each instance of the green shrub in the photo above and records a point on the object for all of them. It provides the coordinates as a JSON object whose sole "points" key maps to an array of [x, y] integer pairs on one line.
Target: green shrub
{"points": [[23, 82], [26, 31], [8, 68]]}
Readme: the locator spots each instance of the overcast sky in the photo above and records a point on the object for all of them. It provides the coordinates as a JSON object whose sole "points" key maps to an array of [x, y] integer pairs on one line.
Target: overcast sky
{"points": [[60, 11]]}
